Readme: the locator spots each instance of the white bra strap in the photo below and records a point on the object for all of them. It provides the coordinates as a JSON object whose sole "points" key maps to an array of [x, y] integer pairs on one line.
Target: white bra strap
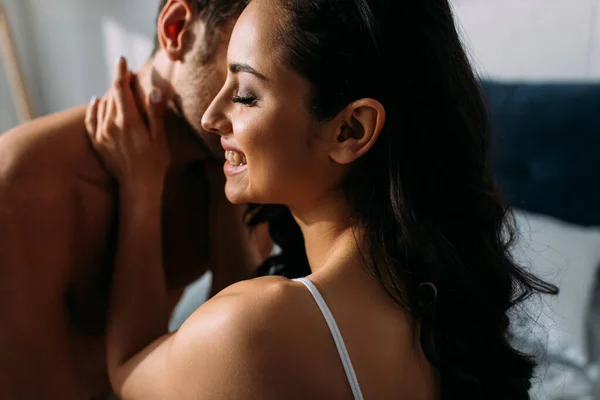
{"points": [[337, 337]]}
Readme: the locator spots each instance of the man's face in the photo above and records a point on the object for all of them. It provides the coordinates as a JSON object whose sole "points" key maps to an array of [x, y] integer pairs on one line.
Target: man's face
{"points": [[196, 83]]}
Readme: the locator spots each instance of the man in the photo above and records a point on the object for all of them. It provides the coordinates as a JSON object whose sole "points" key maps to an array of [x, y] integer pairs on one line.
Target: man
{"points": [[58, 217]]}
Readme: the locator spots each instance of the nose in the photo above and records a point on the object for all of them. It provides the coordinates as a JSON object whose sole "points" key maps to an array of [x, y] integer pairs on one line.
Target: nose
{"points": [[215, 119]]}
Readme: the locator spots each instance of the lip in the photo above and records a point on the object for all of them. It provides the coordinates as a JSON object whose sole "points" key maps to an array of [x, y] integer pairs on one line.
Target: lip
{"points": [[228, 146], [228, 168], [232, 170]]}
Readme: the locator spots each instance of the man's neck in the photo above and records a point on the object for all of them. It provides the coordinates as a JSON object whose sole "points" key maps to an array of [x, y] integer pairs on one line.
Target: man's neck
{"points": [[186, 147]]}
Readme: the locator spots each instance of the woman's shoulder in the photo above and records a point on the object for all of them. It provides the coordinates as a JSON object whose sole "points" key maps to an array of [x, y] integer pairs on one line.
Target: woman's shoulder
{"points": [[267, 285], [256, 304], [257, 308], [250, 330], [272, 328]]}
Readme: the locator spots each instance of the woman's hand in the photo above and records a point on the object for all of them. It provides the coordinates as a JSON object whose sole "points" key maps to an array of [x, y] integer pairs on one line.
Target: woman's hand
{"points": [[138, 156]]}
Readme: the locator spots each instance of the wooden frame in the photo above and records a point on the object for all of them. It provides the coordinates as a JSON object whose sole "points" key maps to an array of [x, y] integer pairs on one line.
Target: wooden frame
{"points": [[13, 70]]}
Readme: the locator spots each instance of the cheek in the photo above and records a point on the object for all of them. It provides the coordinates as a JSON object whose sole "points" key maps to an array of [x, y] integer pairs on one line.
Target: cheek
{"points": [[278, 157], [193, 110], [195, 99], [263, 143], [197, 87], [269, 137]]}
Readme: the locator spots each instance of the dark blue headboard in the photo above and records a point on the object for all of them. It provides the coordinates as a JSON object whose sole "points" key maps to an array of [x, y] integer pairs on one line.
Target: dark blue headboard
{"points": [[546, 147]]}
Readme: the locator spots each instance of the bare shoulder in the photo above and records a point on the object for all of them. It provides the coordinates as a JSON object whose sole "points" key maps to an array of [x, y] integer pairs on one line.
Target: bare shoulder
{"points": [[265, 338], [38, 161], [246, 331], [45, 147], [255, 306]]}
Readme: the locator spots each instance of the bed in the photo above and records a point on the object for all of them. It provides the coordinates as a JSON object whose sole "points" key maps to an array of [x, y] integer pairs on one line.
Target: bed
{"points": [[546, 140]]}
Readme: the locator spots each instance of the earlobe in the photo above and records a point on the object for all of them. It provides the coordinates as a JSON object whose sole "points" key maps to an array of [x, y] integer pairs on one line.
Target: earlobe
{"points": [[359, 127], [172, 28]]}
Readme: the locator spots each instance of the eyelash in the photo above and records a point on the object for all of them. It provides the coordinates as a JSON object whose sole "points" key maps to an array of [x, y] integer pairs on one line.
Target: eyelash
{"points": [[246, 100]]}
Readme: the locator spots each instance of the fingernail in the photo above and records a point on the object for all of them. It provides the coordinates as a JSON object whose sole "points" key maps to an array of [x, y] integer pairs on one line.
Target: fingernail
{"points": [[93, 100], [156, 96], [120, 60]]}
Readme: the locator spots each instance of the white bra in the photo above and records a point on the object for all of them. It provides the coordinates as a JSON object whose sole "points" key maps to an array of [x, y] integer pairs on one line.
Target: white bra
{"points": [[337, 337]]}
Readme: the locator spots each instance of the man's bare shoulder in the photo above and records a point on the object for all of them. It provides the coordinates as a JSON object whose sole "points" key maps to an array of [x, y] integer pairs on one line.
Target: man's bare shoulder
{"points": [[53, 146]]}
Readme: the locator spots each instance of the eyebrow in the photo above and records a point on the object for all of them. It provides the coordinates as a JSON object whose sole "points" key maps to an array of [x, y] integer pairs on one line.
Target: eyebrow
{"points": [[239, 67]]}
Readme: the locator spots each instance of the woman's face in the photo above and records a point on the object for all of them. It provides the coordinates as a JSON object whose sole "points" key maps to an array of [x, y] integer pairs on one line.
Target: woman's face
{"points": [[274, 148]]}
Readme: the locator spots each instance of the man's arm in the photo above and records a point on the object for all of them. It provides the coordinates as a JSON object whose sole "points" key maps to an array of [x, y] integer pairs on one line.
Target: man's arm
{"points": [[36, 232]]}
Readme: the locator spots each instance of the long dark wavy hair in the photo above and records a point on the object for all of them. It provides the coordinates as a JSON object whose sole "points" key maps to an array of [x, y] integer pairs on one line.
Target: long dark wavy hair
{"points": [[424, 194]]}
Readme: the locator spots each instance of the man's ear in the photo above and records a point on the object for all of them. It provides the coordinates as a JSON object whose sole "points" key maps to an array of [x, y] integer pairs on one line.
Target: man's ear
{"points": [[357, 129], [173, 25]]}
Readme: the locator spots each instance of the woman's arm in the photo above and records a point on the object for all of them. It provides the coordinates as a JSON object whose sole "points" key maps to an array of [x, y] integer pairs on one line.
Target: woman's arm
{"points": [[210, 356], [139, 309]]}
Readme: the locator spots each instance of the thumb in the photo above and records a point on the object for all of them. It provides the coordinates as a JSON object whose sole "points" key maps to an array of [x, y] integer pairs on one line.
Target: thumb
{"points": [[156, 113]]}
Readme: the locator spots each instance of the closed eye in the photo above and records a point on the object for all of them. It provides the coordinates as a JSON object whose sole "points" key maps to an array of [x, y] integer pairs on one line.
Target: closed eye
{"points": [[246, 100]]}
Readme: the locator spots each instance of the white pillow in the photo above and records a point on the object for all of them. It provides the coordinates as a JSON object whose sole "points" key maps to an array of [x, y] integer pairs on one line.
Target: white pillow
{"points": [[567, 256]]}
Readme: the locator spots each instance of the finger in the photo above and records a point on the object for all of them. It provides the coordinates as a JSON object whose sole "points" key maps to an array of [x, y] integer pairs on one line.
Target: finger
{"points": [[122, 89], [100, 119], [110, 114], [156, 114], [121, 68], [91, 116]]}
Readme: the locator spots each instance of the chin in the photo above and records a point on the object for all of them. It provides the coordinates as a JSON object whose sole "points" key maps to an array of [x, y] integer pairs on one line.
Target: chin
{"points": [[242, 195], [235, 199], [236, 196]]}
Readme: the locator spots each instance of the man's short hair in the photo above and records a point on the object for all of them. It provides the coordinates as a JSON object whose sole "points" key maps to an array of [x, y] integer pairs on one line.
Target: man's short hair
{"points": [[214, 13]]}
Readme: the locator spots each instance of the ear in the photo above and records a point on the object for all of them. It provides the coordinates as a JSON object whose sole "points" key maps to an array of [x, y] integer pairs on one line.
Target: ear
{"points": [[173, 23], [357, 128]]}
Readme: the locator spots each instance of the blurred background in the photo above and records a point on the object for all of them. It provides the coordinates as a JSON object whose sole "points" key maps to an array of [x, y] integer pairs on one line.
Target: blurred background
{"points": [[540, 64], [67, 47]]}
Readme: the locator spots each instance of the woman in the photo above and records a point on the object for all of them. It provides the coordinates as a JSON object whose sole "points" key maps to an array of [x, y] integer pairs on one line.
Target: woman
{"points": [[364, 119]]}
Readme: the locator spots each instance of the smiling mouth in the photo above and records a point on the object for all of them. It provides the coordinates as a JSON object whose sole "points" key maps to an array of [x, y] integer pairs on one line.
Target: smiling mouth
{"points": [[234, 158]]}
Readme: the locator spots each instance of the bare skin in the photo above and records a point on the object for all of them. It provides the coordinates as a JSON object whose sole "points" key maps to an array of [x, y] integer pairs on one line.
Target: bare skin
{"points": [[263, 338], [58, 224]]}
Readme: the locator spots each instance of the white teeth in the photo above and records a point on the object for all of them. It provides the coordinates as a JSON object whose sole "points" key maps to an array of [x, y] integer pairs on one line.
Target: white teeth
{"points": [[235, 158]]}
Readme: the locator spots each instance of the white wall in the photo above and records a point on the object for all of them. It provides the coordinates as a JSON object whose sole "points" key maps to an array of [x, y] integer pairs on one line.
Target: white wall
{"points": [[8, 116], [532, 39], [68, 47]]}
